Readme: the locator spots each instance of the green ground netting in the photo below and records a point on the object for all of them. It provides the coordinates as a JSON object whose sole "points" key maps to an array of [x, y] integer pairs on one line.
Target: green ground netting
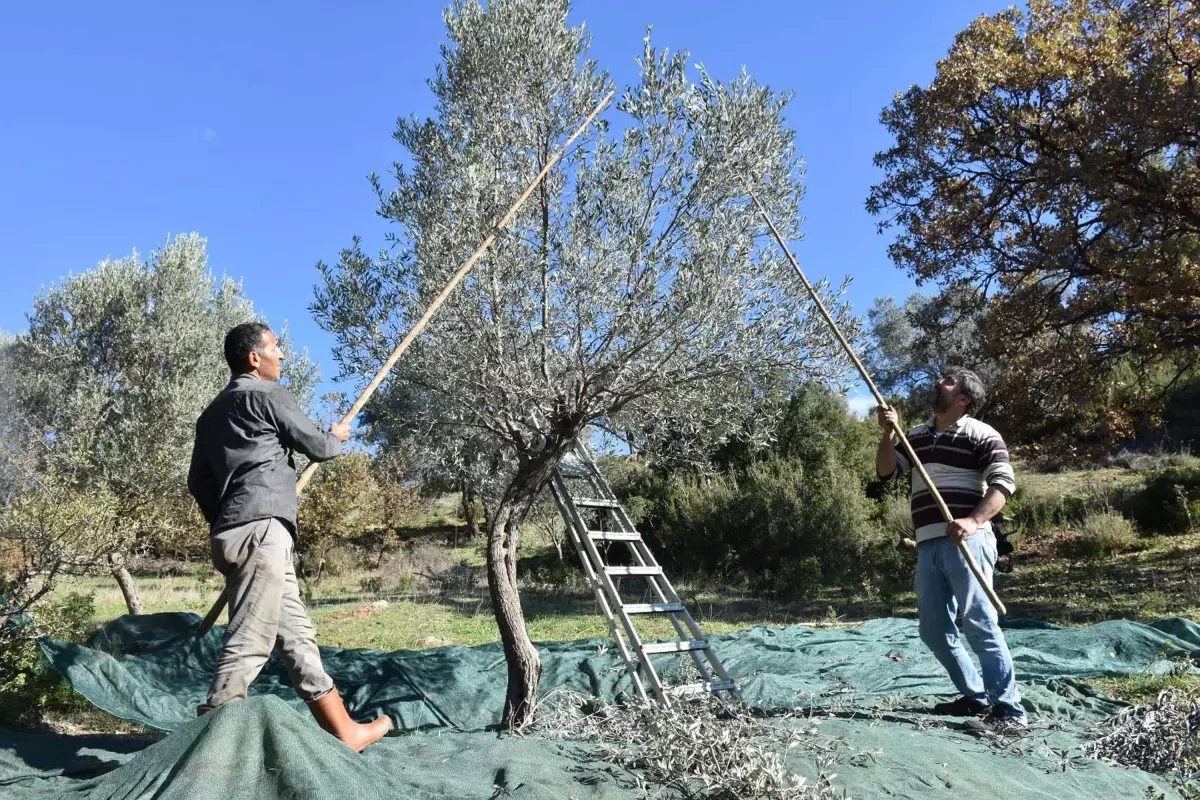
{"points": [[874, 681]]}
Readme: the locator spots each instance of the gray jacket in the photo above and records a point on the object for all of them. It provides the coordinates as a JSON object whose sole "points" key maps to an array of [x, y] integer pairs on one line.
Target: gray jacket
{"points": [[242, 467]]}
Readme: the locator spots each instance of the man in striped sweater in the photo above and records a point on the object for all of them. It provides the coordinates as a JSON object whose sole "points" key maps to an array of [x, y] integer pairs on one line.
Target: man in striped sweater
{"points": [[968, 463]]}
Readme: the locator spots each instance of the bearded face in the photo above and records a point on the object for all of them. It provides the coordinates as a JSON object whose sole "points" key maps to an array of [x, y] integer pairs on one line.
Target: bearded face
{"points": [[945, 393]]}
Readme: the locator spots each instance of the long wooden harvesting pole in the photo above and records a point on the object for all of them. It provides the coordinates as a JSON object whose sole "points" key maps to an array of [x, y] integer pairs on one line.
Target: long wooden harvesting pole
{"points": [[904, 443], [307, 474]]}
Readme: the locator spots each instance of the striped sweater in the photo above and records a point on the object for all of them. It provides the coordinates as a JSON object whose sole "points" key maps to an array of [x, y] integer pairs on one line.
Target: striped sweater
{"points": [[963, 461]]}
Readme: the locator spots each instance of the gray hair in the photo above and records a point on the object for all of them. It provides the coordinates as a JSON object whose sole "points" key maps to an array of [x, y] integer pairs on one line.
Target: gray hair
{"points": [[970, 384]]}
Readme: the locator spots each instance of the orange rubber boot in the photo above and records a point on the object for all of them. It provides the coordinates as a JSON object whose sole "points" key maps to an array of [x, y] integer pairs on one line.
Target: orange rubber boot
{"points": [[331, 715]]}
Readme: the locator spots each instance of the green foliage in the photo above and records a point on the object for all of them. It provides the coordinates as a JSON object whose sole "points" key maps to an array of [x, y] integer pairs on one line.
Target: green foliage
{"points": [[817, 426], [342, 501], [788, 519], [1159, 500], [349, 513], [1169, 501], [913, 345], [1034, 511], [1100, 536], [1154, 459], [785, 526], [27, 686], [589, 306], [54, 525], [1181, 415], [895, 517], [634, 482], [117, 364]]}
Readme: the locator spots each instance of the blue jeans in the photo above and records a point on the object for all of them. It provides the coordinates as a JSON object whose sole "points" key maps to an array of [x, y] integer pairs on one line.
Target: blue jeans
{"points": [[945, 589]]}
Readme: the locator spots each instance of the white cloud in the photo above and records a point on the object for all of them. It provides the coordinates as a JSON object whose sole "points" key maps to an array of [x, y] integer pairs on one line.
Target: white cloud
{"points": [[209, 134], [861, 405]]}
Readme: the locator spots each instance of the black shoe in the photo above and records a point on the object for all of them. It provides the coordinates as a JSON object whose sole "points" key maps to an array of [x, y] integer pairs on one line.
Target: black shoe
{"points": [[1002, 724], [962, 707]]}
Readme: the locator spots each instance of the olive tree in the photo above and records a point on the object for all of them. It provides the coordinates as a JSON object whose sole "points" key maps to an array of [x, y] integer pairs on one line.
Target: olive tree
{"points": [[636, 290], [114, 369]]}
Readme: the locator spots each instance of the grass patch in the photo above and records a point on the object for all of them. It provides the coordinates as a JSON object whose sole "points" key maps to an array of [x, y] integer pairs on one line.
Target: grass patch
{"points": [[1052, 501], [1153, 582], [190, 592], [1144, 687], [551, 614]]}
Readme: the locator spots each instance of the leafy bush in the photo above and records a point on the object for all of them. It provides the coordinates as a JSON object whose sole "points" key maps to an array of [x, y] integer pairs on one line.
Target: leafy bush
{"points": [[634, 482], [27, 686], [786, 527], [342, 559], [895, 518], [1169, 500], [1100, 535], [371, 586], [787, 520], [341, 503], [1038, 511]]}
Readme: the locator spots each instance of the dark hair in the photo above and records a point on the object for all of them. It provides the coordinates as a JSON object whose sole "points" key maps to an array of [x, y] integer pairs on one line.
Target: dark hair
{"points": [[240, 342], [970, 384]]}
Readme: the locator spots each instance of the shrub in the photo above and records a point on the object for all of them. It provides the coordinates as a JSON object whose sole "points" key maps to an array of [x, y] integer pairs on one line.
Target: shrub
{"points": [[785, 527], [342, 560], [1156, 459], [634, 482], [1181, 416], [1169, 500], [787, 520], [895, 518], [1101, 535], [1037, 511], [341, 503], [27, 686]]}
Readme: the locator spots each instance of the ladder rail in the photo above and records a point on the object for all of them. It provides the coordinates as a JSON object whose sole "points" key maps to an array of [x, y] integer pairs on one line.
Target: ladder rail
{"points": [[602, 586], [691, 639]]}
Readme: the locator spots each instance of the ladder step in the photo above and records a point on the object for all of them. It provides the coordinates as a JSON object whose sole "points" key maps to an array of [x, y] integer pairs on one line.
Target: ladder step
{"points": [[674, 647], [688, 689], [572, 466], [652, 608], [595, 502], [633, 571], [614, 536]]}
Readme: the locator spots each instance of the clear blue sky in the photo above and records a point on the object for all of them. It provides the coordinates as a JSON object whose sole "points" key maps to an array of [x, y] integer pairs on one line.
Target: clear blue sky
{"points": [[256, 123]]}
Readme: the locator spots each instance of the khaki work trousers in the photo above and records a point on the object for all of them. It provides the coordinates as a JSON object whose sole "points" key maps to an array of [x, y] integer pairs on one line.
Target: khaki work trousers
{"points": [[265, 611]]}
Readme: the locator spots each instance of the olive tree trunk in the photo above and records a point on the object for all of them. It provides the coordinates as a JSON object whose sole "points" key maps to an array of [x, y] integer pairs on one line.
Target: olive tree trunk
{"points": [[129, 591], [524, 663]]}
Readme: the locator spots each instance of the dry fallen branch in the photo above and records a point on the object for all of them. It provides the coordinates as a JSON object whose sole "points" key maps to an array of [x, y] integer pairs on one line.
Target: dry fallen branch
{"points": [[704, 749], [1163, 737]]}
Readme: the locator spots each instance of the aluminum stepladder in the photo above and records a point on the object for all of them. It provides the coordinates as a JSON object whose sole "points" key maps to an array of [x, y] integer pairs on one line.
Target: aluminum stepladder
{"points": [[595, 518]]}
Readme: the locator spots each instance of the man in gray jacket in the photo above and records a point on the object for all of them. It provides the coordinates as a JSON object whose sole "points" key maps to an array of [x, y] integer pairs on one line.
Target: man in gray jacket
{"points": [[243, 477]]}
